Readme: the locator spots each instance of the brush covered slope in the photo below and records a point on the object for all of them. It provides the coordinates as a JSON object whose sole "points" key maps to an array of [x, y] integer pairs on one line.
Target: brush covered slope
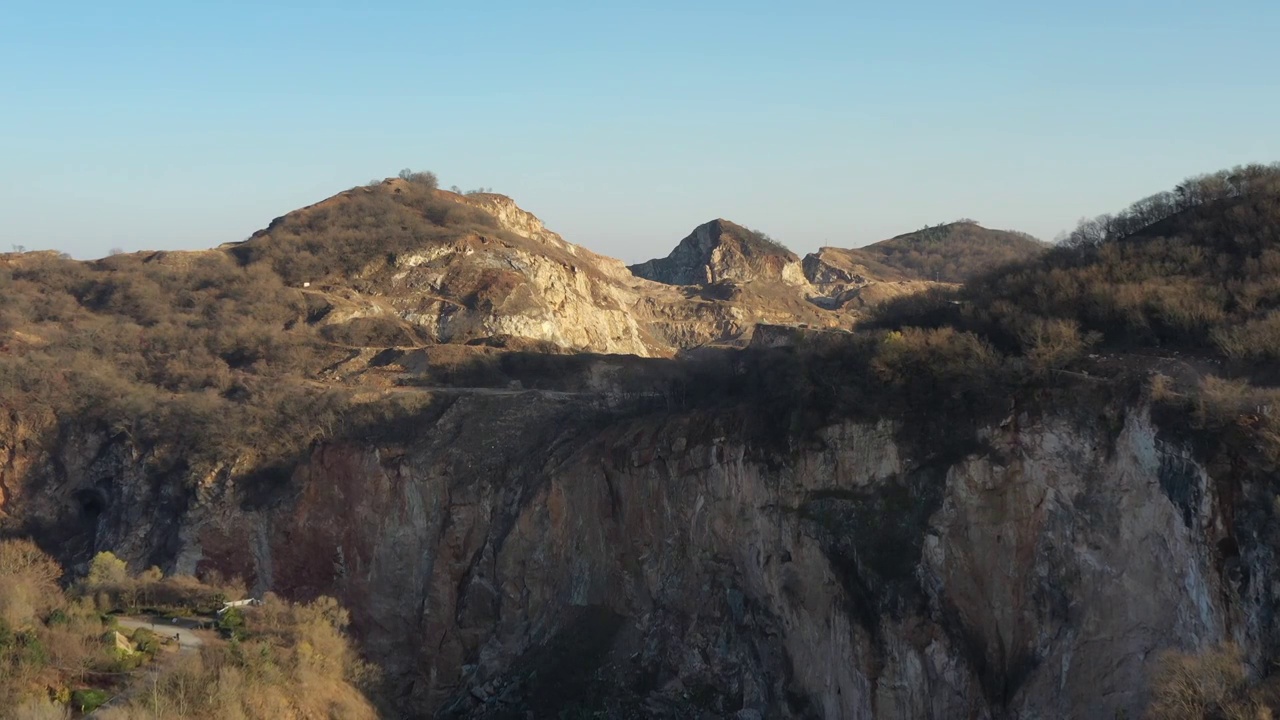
{"points": [[1007, 499], [948, 253], [952, 252]]}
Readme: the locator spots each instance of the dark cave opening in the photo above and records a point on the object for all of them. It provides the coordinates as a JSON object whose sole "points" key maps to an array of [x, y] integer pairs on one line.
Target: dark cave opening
{"points": [[91, 503]]}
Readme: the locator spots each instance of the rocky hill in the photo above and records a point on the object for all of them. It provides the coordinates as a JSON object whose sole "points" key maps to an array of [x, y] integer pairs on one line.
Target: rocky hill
{"points": [[1034, 495], [728, 261], [721, 251], [401, 264]]}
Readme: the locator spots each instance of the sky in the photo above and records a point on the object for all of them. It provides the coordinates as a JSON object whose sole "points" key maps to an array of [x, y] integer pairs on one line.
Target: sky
{"points": [[182, 125]]}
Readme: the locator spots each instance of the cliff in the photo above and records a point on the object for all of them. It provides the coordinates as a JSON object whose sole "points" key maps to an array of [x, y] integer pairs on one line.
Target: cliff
{"points": [[538, 551]]}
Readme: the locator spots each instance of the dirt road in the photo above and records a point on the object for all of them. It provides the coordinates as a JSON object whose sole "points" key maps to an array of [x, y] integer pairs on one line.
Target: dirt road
{"points": [[180, 627]]}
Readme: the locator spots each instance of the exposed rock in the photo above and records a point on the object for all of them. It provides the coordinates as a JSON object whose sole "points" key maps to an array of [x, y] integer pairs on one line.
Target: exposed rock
{"points": [[518, 549], [720, 250], [120, 643], [521, 280], [838, 266]]}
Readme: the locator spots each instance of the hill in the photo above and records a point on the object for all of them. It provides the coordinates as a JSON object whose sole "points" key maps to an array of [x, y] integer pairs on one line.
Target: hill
{"points": [[405, 264], [377, 286], [1194, 270], [952, 252], [720, 251], [760, 276]]}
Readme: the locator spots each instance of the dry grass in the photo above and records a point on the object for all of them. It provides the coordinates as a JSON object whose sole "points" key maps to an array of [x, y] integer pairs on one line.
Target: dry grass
{"points": [[1208, 686], [1161, 388]]}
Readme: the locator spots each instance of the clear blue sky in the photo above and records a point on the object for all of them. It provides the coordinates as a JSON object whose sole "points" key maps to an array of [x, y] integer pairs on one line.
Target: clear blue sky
{"points": [[184, 125]]}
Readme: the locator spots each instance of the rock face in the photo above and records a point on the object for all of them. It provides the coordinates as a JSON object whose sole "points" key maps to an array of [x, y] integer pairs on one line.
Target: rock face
{"points": [[523, 553], [742, 263], [513, 278], [476, 288], [721, 251], [456, 278]]}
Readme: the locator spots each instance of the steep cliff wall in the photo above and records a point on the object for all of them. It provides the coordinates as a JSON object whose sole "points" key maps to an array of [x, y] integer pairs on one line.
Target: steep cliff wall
{"points": [[530, 551]]}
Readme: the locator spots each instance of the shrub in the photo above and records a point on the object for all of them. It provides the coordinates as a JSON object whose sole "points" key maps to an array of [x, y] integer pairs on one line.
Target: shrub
{"points": [[940, 358], [28, 583], [146, 641], [288, 660], [231, 623], [760, 240], [293, 660], [1196, 269], [1222, 402], [1255, 339], [1209, 685], [1160, 388], [953, 252], [1051, 343], [106, 570], [40, 708], [424, 178], [89, 699]]}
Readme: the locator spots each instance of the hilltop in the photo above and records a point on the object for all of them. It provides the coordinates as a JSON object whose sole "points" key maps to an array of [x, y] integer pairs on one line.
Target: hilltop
{"points": [[726, 255], [832, 288], [951, 252], [720, 251], [1193, 270]]}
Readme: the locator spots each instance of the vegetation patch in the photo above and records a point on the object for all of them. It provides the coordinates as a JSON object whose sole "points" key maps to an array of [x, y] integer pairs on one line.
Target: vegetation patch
{"points": [[60, 653], [951, 252]]}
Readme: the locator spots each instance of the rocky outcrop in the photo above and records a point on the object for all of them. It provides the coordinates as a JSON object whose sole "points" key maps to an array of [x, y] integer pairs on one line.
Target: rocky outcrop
{"points": [[524, 281], [477, 288], [837, 266], [720, 251], [852, 281], [518, 220], [524, 552]]}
